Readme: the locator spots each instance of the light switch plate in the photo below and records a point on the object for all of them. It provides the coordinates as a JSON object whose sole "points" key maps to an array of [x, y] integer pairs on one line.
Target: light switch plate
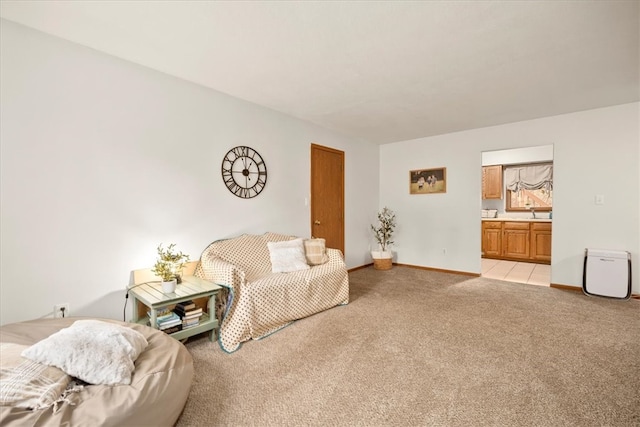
{"points": [[599, 199]]}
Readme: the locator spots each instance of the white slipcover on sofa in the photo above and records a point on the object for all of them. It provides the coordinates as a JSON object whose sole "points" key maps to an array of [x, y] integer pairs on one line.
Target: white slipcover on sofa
{"points": [[260, 301]]}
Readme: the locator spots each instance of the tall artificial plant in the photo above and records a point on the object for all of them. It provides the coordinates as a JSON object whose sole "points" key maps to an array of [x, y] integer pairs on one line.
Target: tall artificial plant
{"points": [[383, 231]]}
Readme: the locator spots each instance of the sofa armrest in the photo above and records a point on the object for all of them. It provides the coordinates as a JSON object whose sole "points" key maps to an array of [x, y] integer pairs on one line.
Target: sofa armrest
{"points": [[335, 256], [221, 272]]}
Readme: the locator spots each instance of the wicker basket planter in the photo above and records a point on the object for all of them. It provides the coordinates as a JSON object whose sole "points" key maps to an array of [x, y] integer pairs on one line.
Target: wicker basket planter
{"points": [[382, 263], [382, 260]]}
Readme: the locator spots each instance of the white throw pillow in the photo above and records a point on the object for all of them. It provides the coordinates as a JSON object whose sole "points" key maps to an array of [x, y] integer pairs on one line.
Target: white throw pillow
{"points": [[287, 256], [94, 351]]}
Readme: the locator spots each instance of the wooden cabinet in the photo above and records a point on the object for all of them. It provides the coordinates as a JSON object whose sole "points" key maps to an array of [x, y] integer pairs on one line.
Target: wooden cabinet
{"points": [[541, 241], [492, 182], [517, 240], [491, 238]]}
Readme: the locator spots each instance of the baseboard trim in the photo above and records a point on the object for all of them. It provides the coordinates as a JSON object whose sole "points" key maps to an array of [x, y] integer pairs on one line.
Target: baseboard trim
{"points": [[566, 287], [440, 270], [351, 270], [419, 267]]}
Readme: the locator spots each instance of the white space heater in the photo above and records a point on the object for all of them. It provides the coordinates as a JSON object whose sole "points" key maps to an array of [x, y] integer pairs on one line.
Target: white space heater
{"points": [[607, 273]]}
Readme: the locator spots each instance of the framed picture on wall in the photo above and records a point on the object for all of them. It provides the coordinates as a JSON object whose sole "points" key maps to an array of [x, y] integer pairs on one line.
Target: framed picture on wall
{"points": [[428, 181]]}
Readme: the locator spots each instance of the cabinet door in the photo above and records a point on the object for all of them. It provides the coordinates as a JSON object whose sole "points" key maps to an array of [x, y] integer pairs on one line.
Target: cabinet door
{"points": [[541, 242], [491, 239], [515, 240], [492, 182]]}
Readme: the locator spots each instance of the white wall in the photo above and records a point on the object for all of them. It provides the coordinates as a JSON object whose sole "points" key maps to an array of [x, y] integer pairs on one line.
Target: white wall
{"points": [[102, 160], [514, 156], [595, 152]]}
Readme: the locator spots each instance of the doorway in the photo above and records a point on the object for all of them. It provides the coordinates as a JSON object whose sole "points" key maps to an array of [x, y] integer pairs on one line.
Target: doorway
{"points": [[516, 241], [327, 195]]}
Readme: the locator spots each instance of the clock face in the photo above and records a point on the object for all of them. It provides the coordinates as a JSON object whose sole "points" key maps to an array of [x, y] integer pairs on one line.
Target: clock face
{"points": [[244, 172]]}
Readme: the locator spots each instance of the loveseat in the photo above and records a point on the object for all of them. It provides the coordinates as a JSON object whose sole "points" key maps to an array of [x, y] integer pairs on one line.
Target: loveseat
{"points": [[272, 279]]}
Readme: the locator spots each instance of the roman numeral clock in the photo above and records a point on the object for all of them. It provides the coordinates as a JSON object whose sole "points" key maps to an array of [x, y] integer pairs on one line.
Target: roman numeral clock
{"points": [[244, 172]]}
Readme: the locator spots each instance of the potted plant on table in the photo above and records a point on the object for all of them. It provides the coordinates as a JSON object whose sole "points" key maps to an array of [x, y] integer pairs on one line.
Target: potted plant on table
{"points": [[383, 231], [169, 266]]}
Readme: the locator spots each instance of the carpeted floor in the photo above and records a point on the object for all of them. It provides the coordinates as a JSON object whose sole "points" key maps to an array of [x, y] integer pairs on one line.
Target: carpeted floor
{"points": [[415, 347]]}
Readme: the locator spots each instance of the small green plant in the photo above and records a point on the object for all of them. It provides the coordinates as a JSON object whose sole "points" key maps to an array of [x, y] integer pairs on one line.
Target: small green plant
{"points": [[169, 263], [384, 230]]}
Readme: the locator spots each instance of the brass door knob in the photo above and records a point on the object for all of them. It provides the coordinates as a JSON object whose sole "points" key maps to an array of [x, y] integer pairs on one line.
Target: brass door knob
{"points": [[316, 222]]}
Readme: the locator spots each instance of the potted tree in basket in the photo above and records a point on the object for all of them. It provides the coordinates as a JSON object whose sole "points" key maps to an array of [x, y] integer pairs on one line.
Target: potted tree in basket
{"points": [[168, 267], [383, 231]]}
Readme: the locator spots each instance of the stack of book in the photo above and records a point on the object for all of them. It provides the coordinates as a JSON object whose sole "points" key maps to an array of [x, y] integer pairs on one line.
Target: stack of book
{"points": [[188, 313], [168, 321]]}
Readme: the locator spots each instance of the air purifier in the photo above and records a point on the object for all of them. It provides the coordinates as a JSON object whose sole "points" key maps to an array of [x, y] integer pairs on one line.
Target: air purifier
{"points": [[607, 273]]}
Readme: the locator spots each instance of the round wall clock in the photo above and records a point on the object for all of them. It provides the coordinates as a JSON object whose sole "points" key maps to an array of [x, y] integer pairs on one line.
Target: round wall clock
{"points": [[244, 172]]}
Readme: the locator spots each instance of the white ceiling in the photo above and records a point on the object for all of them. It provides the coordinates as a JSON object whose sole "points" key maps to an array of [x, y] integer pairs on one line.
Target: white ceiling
{"points": [[381, 71]]}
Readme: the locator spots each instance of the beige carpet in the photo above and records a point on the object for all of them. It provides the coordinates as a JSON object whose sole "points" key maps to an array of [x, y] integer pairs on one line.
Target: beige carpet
{"points": [[425, 348]]}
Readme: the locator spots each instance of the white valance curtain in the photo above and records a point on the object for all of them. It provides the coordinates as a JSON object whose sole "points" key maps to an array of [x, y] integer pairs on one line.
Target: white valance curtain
{"points": [[529, 177]]}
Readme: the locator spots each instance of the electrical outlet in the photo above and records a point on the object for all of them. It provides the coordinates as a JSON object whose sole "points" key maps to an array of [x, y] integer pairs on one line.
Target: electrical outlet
{"points": [[61, 310]]}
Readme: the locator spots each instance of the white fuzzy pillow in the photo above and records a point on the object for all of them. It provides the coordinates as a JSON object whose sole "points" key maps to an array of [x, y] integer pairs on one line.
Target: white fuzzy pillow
{"points": [[94, 351], [287, 256]]}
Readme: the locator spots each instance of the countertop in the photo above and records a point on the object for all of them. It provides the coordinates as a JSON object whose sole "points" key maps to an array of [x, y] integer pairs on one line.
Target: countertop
{"points": [[519, 219]]}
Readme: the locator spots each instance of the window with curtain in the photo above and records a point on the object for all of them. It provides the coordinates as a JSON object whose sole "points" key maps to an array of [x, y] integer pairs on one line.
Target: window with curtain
{"points": [[529, 186]]}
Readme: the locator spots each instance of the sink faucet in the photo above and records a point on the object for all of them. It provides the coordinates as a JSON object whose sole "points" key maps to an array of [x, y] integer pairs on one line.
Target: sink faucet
{"points": [[533, 212]]}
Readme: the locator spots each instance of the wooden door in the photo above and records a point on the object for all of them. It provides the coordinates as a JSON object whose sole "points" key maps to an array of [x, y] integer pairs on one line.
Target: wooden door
{"points": [[327, 195]]}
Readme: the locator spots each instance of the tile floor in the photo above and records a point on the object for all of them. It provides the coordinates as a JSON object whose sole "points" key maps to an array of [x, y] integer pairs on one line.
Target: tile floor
{"points": [[521, 272]]}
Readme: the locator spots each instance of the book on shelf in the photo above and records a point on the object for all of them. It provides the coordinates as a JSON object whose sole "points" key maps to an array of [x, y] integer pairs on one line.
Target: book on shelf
{"points": [[188, 313], [162, 314], [191, 317], [170, 324], [190, 326], [189, 322], [166, 322], [186, 305], [165, 318], [162, 311], [172, 329]]}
